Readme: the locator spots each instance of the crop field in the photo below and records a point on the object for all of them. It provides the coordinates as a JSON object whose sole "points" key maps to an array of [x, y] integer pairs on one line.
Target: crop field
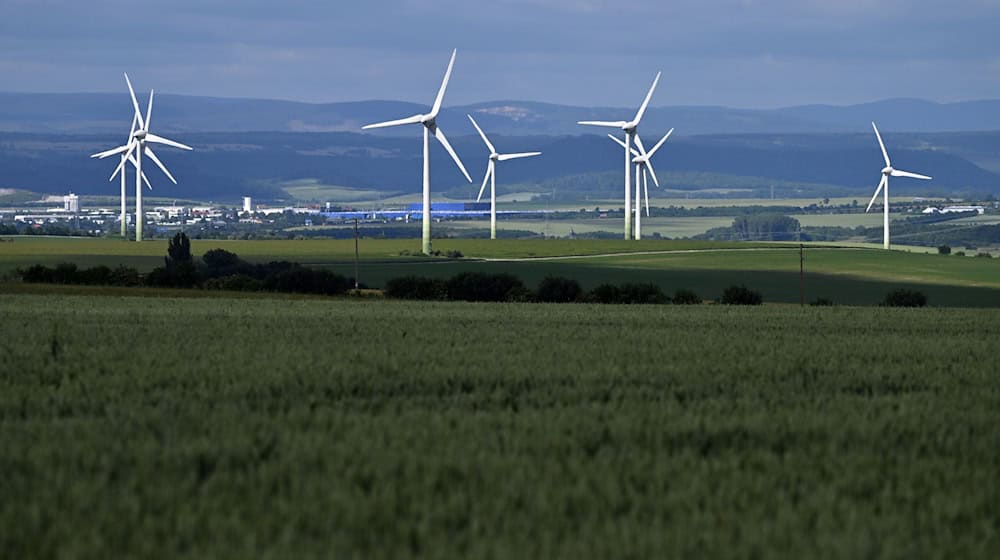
{"points": [[849, 276], [167, 427]]}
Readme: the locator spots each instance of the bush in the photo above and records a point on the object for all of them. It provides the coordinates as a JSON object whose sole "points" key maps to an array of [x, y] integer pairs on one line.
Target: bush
{"points": [[220, 259], [454, 254], [605, 293], [556, 289], [741, 295], [235, 283], [416, 287], [64, 273], [904, 298], [984, 255], [479, 286], [944, 250], [821, 302], [959, 253], [686, 297], [179, 274], [36, 274], [301, 280], [641, 293], [124, 276]]}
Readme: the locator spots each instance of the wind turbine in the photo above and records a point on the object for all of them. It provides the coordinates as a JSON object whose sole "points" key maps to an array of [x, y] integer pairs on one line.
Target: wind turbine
{"points": [[888, 171], [630, 129], [120, 171], [644, 167], [429, 121], [491, 174], [136, 148]]}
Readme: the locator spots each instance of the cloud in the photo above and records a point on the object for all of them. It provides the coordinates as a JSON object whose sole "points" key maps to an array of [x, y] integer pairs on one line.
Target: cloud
{"points": [[735, 52]]}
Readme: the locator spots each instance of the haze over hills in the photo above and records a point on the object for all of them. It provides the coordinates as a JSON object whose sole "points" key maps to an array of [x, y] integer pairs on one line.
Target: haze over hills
{"points": [[225, 166], [111, 112]]}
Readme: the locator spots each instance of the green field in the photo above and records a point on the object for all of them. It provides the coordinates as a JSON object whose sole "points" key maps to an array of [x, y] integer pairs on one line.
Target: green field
{"points": [[168, 427], [854, 276]]}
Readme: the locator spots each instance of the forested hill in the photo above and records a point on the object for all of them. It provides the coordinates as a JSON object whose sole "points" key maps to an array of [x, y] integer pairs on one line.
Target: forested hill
{"points": [[229, 165], [111, 113]]}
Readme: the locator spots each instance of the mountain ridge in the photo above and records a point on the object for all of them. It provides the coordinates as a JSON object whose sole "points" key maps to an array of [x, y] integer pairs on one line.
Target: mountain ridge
{"points": [[84, 113]]}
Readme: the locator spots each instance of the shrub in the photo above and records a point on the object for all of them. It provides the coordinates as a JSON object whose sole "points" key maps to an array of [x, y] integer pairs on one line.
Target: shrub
{"points": [[959, 253], [944, 250], [220, 259], [821, 302], [416, 287], [686, 297], [904, 298], [605, 293], [641, 293], [556, 289], [235, 283], [124, 276], [36, 274], [454, 254], [741, 295], [302, 280], [984, 255], [181, 274], [479, 286], [99, 275], [64, 273]]}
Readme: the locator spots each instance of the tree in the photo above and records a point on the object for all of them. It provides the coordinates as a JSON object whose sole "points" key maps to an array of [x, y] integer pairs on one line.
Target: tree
{"points": [[741, 295], [179, 248]]}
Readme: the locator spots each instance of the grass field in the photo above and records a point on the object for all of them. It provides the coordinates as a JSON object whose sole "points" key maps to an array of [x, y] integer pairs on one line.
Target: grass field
{"points": [[168, 427], [847, 276]]}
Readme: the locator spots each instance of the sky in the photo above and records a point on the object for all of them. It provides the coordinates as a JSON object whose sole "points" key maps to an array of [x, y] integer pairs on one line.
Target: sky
{"points": [[736, 53]]}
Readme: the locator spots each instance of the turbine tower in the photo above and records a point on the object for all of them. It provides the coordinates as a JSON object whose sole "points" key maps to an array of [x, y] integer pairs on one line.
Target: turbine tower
{"points": [[137, 147], [888, 171], [630, 128], [643, 169], [429, 121], [491, 174]]}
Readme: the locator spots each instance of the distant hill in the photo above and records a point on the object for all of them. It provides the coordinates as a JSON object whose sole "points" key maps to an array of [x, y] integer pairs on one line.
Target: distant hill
{"points": [[110, 113], [225, 166]]}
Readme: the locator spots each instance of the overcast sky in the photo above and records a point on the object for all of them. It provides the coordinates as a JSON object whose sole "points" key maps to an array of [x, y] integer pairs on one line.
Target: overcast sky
{"points": [[739, 53]]}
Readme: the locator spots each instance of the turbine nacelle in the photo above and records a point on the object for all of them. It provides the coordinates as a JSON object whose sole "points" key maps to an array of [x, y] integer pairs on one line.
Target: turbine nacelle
{"points": [[887, 170], [139, 134]]}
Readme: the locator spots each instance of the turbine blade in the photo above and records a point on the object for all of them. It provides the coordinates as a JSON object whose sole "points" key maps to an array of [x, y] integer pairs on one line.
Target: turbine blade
{"points": [[156, 160], [149, 110], [881, 144], [645, 103], [900, 173], [642, 149], [505, 157], [874, 196], [161, 140], [135, 102], [645, 188], [146, 180], [622, 144], [652, 173], [612, 124], [660, 143], [482, 135], [486, 179], [408, 120], [119, 169], [113, 151], [439, 134], [444, 86]]}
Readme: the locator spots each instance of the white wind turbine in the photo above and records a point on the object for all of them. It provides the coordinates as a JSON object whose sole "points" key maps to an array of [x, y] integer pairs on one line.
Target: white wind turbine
{"points": [[429, 121], [491, 174], [643, 168], [136, 148], [120, 172], [630, 128], [887, 171]]}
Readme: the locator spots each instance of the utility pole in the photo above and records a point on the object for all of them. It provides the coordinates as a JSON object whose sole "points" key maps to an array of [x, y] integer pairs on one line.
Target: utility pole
{"points": [[802, 290], [356, 284]]}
